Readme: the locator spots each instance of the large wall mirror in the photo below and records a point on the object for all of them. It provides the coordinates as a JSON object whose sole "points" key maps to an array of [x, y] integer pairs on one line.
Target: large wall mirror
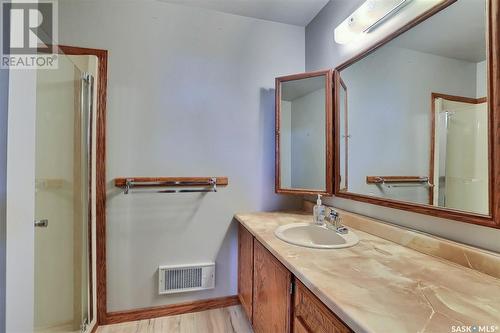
{"points": [[304, 139], [415, 116]]}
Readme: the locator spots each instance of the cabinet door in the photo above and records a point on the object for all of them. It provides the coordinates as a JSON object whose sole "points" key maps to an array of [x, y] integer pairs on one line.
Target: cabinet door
{"points": [[299, 327], [245, 270], [271, 293], [311, 315]]}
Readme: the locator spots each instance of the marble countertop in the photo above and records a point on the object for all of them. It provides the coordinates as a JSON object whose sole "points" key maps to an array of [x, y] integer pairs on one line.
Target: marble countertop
{"points": [[380, 286]]}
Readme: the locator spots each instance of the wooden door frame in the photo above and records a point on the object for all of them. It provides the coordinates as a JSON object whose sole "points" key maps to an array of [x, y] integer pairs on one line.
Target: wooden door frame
{"points": [[101, 86], [452, 98], [493, 57]]}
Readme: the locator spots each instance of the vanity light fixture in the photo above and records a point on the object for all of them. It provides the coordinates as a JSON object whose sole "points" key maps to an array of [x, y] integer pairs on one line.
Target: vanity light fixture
{"points": [[367, 18]]}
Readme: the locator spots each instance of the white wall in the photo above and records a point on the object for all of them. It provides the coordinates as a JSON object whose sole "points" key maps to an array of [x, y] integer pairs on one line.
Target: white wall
{"points": [[322, 52], [482, 79], [308, 141], [389, 100], [286, 144], [190, 93], [4, 95], [20, 201]]}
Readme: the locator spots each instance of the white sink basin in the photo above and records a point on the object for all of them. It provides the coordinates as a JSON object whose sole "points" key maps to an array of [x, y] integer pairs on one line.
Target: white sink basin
{"points": [[315, 236]]}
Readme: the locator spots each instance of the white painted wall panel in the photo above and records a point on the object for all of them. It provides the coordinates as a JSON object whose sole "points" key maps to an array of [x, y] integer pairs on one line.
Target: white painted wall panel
{"points": [[20, 201], [4, 98], [191, 93], [308, 141]]}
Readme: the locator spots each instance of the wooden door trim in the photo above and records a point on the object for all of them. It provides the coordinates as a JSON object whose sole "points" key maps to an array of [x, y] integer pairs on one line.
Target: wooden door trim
{"points": [[328, 133], [493, 54], [462, 99], [102, 57]]}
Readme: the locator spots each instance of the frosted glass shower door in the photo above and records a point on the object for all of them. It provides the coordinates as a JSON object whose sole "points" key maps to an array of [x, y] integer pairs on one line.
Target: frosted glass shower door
{"points": [[63, 116]]}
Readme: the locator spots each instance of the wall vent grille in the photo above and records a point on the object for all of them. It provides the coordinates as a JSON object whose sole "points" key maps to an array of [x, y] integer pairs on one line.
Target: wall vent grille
{"points": [[175, 279]]}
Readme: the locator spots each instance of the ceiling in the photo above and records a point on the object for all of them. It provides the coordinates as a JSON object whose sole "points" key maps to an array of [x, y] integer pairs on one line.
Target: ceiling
{"points": [[291, 90], [296, 12], [458, 32]]}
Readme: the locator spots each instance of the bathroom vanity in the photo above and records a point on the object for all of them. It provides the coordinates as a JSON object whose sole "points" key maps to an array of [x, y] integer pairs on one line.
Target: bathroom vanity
{"points": [[273, 299], [393, 280], [415, 128]]}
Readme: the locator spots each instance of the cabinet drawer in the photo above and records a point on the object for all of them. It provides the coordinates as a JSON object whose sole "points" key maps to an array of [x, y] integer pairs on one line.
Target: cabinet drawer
{"points": [[311, 315]]}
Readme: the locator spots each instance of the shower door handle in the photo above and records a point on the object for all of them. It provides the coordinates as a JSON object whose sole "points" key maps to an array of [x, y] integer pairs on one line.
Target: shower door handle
{"points": [[43, 223]]}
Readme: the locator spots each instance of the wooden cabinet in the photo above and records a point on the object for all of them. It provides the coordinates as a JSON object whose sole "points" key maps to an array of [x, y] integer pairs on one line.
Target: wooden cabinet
{"points": [[245, 270], [267, 297], [311, 315], [298, 327], [271, 293]]}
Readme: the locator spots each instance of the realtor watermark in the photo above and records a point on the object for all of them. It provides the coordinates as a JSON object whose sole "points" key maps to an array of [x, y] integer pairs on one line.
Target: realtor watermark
{"points": [[29, 34], [474, 329]]}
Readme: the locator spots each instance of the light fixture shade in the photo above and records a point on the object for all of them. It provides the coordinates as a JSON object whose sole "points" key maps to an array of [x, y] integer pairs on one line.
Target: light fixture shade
{"points": [[366, 18], [345, 32]]}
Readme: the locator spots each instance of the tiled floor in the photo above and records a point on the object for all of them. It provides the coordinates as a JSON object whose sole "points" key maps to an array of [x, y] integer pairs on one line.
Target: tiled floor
{"points": [[230, 319]]}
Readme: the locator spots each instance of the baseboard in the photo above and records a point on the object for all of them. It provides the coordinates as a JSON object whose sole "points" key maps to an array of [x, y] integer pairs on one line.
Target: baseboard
{"points": [[170, 310], [94, 329]]}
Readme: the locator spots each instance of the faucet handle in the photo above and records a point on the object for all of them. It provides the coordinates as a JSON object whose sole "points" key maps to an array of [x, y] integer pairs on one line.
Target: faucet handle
{"points": [[334, 213], [336, 220]]}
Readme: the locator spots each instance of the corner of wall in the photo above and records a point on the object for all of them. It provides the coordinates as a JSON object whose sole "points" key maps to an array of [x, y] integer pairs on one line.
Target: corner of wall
{"points": [[4, 97]]}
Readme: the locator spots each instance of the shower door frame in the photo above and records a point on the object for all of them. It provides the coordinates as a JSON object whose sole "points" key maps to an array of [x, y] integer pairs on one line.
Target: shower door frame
{"points": [[19, 194], [100, 176]]}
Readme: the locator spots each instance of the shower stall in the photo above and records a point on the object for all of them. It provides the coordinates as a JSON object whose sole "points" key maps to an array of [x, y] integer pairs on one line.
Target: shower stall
{"points": [[64, 191]]}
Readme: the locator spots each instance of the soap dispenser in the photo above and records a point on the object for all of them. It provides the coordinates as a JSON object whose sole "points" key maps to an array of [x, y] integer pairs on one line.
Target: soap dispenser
{"points": [[319, 212]]}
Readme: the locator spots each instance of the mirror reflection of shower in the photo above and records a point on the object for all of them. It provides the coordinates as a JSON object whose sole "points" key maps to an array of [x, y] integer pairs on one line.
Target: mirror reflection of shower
{"points": [[416, 128], [461, 153]]}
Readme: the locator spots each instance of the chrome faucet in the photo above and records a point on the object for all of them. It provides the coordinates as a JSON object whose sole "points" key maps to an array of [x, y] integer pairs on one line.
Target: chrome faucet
{"points": [[334, 221]]}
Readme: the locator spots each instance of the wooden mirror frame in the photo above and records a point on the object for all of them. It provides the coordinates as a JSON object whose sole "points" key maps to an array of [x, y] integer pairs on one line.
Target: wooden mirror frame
{"points": [[328, 74], [493, 57]]}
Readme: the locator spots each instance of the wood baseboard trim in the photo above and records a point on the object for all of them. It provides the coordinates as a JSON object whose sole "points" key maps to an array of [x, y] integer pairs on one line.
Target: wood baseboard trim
{"points": [[170, 310], [94, 329]]}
